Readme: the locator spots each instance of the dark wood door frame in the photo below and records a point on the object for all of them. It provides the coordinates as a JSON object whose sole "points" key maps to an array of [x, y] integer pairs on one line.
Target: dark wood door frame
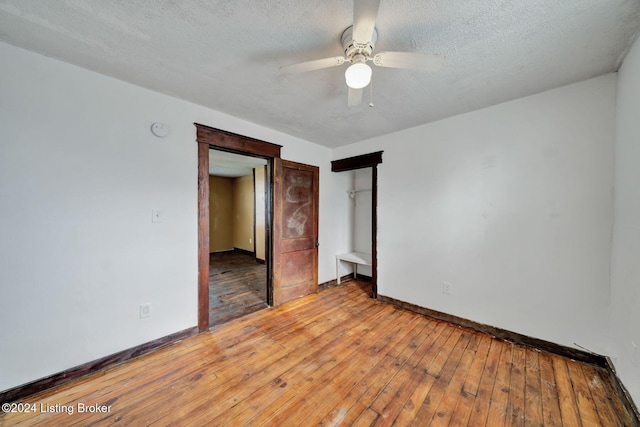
{"points": [[371, 160], [211, 138]]}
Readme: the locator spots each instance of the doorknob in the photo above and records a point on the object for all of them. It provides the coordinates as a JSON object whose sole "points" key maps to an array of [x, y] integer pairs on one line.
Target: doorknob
{"points": [[316, 243]]}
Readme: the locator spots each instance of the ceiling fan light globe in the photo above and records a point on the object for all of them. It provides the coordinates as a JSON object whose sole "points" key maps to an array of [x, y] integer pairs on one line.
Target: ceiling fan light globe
{"points": [[358, 76]]}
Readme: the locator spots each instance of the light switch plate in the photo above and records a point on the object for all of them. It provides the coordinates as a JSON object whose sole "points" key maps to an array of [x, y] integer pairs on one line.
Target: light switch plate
{"points": [[145, 310], [446, 288]]}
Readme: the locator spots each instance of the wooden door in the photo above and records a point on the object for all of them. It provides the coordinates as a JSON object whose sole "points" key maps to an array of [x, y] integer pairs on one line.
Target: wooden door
{"points": [[295, 230]]}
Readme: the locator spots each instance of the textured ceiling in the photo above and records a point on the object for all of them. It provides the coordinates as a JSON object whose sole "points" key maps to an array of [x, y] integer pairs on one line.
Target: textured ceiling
{"points": [[226, 54], [232, 165]]}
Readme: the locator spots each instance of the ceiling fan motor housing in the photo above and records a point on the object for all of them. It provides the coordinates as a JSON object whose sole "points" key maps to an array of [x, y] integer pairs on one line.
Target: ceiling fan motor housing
{"points": [[352, 48]]}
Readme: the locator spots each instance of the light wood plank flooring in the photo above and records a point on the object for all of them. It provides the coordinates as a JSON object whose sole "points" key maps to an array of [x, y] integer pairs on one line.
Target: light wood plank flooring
{"points": [[237, 286], [338, 358]]}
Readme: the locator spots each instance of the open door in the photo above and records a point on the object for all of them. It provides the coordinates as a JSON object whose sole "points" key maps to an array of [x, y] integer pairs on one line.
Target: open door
{"points": [[295, 230]]}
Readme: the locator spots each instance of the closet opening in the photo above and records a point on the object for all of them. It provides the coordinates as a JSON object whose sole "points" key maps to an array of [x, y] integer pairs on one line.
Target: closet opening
{"points": [[364, 194]]}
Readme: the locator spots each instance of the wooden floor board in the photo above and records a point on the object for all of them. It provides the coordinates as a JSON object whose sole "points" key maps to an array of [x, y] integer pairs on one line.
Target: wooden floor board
{"points": [[469, 390], [336, 383], [425, 381], [515, 403], [348, 410], [615, 403], [454, 392], [345, 410], [472, 381], [237, 286], [500, 394], [290, 399], [549, 392], [567, 399], [278, 365], [605, 411], [337, 358], [298, 371], [532, 392], [586, 406], [480, 410], [458, 341]]}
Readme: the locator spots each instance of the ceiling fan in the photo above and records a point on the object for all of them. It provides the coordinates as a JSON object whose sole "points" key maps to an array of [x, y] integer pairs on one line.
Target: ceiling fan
{"points": [[358, 42]]}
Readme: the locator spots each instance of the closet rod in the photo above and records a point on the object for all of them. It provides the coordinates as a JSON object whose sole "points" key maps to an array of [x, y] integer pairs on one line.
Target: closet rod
{"points": [[352, 193]]}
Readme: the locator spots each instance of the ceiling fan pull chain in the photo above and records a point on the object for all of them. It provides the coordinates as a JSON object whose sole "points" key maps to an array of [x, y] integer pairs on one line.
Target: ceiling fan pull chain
{"points": [[371, 94]]}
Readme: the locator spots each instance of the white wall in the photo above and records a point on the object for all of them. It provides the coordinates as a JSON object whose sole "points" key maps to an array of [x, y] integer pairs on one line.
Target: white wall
{"points": [[512, 205], [261, 206], [80, 174], [625, 258], [362, 215]]}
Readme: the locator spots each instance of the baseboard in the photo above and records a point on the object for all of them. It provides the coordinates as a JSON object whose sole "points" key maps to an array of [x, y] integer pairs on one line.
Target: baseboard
{"points": [[244, 251], [334, 282], [622, 391], [240, 251], [576, 354], [54, 380], [260, 261]]}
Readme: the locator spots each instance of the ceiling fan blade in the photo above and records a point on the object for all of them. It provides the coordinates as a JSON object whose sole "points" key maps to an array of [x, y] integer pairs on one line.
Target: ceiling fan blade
{"points": [[365, 13], [316, 64], [414, 61], [355, 97]]}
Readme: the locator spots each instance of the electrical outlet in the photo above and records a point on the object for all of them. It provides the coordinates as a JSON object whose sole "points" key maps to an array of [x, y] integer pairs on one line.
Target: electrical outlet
{"points": [[156, 216], [145, 310], [446, 288]]}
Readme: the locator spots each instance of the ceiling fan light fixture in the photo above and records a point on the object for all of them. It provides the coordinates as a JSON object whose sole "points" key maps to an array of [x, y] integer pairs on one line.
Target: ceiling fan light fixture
{"points": [[358, 75]]}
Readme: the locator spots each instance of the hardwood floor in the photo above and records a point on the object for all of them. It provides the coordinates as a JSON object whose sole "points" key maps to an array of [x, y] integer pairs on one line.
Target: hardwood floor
{"points": [[237, 286], [337, 358]]}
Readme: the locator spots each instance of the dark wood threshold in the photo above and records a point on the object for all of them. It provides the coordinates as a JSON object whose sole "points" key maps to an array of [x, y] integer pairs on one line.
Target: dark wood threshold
{"points": [[561, 350], [54, 380], [622, 391]]}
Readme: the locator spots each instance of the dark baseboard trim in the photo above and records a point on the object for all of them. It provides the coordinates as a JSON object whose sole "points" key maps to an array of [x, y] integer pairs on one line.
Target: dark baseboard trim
{"points": [[54, 380], [244, 251], [364, 278], [580, 355], [260, 261], [334, 282], [622, 391]]}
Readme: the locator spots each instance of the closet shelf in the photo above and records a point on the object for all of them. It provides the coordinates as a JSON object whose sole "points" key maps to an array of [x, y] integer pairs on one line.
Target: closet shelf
{"points": [[352, 193]]}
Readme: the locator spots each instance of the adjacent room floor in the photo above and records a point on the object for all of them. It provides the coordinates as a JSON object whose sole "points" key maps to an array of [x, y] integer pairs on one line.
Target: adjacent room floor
{"points": [[237, 286], [337, 358]]}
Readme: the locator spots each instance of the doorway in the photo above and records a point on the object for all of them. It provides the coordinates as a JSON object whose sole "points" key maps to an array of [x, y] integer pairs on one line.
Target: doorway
{"points": [[237, 231], [208, 138], [292, 200]]}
